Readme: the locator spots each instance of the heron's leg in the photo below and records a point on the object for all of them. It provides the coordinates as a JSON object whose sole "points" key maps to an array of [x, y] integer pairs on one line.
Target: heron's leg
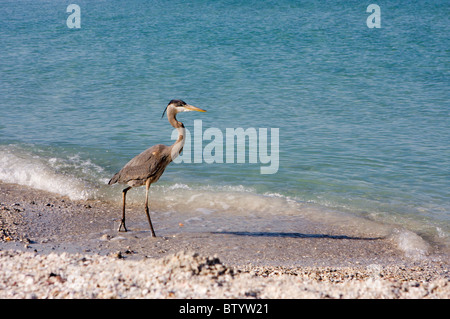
{"points": [[147, 186], [122, 222]]}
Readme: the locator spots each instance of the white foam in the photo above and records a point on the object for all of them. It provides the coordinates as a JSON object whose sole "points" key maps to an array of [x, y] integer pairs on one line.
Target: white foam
{"points": [[410, 243], [178, 186], [23, 168]]}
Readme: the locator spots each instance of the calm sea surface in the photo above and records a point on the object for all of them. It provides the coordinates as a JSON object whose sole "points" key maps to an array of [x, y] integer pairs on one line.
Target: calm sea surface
{"points": [[363, 114]]}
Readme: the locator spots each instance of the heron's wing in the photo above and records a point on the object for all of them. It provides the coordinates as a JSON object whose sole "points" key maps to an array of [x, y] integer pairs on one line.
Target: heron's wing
{"points": [[149, 163]]}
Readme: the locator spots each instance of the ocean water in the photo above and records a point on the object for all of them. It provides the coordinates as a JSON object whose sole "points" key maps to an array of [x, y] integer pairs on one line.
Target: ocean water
{"points": [[362, 113]]}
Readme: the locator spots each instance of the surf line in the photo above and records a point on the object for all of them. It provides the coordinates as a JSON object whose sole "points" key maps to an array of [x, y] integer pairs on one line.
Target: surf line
{"points": [[222, 146]]}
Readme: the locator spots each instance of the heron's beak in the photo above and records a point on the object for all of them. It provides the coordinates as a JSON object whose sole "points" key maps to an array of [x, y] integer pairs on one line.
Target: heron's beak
{"points": [[188, 108]]}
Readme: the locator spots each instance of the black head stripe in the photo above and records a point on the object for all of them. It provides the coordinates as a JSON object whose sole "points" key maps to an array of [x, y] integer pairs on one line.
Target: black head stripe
{"points": [[177, 103]]}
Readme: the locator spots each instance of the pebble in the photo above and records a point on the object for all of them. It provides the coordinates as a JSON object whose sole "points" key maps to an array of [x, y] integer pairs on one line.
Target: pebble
{"points": [[190, 275]]}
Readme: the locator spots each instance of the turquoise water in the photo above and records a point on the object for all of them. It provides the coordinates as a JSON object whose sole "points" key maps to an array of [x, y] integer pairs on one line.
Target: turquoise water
{"points": [[363, 114]]}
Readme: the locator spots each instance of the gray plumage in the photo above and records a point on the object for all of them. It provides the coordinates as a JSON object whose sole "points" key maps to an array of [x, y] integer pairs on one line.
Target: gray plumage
{"points": [[147, 167], [150, 164]]}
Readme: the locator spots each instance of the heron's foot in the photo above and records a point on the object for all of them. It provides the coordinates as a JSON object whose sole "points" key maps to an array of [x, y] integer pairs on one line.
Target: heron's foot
{"points": [[122, 225]]}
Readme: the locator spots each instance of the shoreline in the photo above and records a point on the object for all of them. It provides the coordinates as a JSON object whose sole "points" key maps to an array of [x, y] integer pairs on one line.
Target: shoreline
{"points": [[317, 261]]}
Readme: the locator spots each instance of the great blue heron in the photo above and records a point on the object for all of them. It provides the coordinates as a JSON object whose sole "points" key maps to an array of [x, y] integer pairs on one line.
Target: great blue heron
{"points": [[147, 167]]}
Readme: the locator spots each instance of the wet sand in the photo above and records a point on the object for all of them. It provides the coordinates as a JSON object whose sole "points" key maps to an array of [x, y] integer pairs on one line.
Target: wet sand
{"points": [[39, 227]]}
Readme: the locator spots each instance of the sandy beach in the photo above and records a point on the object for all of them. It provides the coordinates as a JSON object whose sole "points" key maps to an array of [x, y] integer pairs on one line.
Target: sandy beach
{"points": [[54, 247]]}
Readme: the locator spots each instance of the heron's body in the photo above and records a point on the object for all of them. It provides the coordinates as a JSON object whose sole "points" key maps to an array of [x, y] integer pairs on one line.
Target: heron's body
{"points": [[147, 167]]}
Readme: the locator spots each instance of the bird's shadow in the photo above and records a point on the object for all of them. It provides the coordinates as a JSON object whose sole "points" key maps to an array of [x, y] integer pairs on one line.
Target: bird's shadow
{"points": [[293, 235]]}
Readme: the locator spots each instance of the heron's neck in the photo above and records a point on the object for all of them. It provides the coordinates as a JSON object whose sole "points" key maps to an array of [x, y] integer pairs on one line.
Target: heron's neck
{"points": [[177, 147]]}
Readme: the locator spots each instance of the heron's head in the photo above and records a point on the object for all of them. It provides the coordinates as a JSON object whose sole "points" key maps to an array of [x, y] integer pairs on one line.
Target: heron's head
{"points": [[177, 106]]}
